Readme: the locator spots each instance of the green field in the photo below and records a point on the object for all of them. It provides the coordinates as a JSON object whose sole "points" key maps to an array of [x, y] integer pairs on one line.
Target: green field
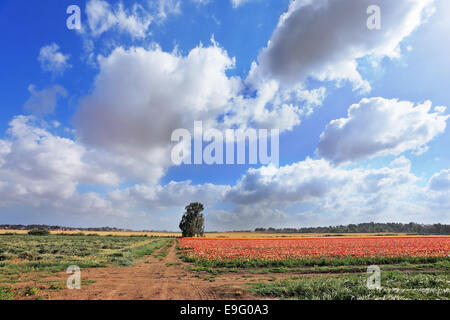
{"points": [[26, 258], [395, 285]]}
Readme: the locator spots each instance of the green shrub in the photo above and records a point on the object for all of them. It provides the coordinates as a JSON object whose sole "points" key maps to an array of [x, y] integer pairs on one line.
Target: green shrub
{"points": [[28, 255], [77, 234], [4, 256], [38, 232], [33, 290]]}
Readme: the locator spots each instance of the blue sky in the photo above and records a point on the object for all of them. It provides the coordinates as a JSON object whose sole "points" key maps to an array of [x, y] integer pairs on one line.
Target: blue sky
{"points": [[87, 114]]}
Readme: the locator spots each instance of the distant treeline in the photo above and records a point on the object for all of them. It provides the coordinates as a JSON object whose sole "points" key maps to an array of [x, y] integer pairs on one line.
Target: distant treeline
{"points": [[53, 228], [413, 228], [371, 227], [60, 228]]}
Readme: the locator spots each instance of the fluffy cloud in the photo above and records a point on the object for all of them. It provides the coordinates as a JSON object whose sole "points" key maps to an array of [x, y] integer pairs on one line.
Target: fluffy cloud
{"points": [[141, 96], [440, 182], [53, 60], [323, 39], [43, 172], [102, 17], [315, 180], [245, 218], [168, 7], [298, 182], [379, 126], [312, 98], [39, 167], [437, 194], [44, 101], [272, 107], [174, 194], [265, 110], [314, 192]]}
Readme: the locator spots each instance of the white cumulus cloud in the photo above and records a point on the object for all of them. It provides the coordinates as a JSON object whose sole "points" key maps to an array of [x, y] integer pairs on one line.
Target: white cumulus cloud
{"points": [[141, 96], [103, 17], [53, 60], [440, 181], [37, 166], [44, 101], [377, 127], [324, 39]]}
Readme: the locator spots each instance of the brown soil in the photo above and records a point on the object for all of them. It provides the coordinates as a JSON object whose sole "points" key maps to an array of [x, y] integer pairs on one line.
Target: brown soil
{"points": [[153, 278]]}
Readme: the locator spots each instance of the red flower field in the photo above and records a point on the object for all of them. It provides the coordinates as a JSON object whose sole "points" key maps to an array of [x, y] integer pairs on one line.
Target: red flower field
{"points": [[313, 248]]}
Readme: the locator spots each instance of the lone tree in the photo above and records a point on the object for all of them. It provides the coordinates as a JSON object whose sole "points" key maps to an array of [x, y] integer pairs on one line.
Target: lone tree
{"points": [[192, 222]]}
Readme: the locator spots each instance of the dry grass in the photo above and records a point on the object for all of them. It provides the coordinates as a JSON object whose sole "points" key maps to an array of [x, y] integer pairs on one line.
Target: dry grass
{"points": [[103, 233], [224, 235]]}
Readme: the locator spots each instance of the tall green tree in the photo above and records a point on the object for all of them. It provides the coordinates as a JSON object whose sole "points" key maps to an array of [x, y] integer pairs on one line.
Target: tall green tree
{"points": [[193, 222]]}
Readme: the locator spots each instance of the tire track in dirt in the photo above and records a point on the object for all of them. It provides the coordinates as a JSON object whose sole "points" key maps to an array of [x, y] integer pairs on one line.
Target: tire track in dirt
{"points": [[165, 286]]}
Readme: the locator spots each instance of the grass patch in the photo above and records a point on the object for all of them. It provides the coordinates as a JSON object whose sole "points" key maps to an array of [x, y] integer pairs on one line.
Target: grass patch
{"points": [[164, 250], [32, 258], [345, 261], [213, 271], [170, 264], [438, 267], [395, 285], [47, 254], [6, 293]]}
